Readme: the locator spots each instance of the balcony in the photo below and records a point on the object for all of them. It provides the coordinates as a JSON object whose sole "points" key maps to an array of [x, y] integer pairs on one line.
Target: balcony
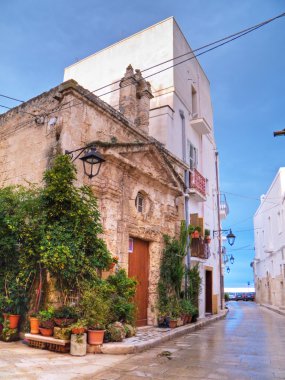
{"points": [[200, 249], [224, 207], [200, 126], [197, 186]]}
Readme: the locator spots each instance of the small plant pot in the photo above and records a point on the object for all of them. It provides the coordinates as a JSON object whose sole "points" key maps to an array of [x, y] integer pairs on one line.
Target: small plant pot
{"points": [[112, 266], [173, 323], [14, 320], [189, 318], [34, 325], [195, 235], [78, 330], [207, 240], [96, 336], [46, 332]]}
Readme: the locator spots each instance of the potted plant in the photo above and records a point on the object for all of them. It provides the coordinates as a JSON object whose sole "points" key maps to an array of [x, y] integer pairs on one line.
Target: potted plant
{"points": [[196, 233], [11, 309], [95, 310], [173, 312], [46, 321], [207, 236], [115, 260], [34, 323], [65, 316], [79, 327]]}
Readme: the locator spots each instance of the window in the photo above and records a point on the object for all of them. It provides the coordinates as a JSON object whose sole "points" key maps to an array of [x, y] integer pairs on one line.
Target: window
{"points": [[139, 202], [193, 156]]}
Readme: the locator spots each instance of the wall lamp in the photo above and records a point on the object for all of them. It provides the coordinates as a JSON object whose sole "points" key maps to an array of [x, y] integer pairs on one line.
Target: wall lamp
{"points": [[230, 258], [90, 157], [230, 236], [279, 133]]}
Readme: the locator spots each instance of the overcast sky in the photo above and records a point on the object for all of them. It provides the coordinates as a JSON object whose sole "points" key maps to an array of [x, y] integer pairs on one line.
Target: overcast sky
{"points": [[38, 39]]}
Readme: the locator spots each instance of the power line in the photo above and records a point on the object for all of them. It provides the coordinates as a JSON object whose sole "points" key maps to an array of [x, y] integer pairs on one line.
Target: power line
{"points": [[9, 97], [231, 37], [10, 108]]}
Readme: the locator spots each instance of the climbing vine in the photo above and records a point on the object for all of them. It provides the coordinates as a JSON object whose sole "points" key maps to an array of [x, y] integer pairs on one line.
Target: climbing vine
{"points": [[50, 231]]}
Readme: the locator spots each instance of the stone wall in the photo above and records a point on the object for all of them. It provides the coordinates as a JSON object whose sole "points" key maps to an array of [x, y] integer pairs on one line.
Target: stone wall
{"points": [[70, 117]]}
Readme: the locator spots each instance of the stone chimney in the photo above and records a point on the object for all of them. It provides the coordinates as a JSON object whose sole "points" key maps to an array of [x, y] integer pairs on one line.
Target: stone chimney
{"points": [[135, 95]]}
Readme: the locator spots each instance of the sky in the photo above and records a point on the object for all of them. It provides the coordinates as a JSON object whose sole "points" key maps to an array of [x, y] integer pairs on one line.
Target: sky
{"points": [[38, 39]]}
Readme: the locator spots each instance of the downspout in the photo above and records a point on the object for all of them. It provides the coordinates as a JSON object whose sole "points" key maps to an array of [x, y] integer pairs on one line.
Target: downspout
{"points": [[186, 195], [219, 233]]}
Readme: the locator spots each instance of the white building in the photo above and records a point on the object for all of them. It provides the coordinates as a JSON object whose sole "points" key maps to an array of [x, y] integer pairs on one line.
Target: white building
{"points": [[269, 235], [181, 118]]}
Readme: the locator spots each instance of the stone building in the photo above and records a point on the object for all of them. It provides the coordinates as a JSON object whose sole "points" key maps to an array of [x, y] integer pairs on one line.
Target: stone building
{"points": [[140, 185], [269, 236], [181, 118]]}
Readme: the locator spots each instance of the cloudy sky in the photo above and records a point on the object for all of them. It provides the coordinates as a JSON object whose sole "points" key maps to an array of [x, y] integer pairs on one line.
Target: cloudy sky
{"points": [[39, 39]]}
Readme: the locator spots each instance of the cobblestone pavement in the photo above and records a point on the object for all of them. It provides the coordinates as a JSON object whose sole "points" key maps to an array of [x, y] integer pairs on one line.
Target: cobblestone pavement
{"points": [[248, 344]]}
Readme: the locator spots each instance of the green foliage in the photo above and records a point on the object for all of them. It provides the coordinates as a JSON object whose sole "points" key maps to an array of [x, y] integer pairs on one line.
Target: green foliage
{"points": [[121, 291], [172, 272], [46, 315], [227, 297], [172, 268], [194, 288], [66, 312], [207, 232], [51, 229]]}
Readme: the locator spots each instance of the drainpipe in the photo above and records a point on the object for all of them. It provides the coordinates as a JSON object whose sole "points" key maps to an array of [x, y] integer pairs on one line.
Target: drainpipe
{"points": [[220, 233], [186, 180]]}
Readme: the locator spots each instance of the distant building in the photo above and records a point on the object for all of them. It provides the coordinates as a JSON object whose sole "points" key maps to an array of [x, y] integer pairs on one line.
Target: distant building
{"points": [[269, 236], [181, 118]]}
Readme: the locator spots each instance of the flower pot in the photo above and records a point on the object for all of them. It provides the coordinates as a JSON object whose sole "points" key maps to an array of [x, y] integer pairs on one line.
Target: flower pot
{"points": [[173, 323], [78, 330], [34, 325], [111, 266], [14, 320], [46, 332], [95, 336], [78, 346], [195, 235], [207, 239], [189, 318]]}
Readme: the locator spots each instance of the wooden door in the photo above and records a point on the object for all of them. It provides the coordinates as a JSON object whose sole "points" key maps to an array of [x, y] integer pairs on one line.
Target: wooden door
{"points": [[139, 268], [209, 291]]}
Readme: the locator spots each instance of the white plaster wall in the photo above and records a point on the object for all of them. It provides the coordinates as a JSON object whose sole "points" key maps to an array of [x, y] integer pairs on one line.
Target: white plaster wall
{"points": [[171, 88], [269, 236]]}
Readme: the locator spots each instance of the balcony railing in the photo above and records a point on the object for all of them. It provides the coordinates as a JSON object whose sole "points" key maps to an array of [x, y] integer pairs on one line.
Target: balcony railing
{"points": [[200, 249], [198, 183], [224, 207]]}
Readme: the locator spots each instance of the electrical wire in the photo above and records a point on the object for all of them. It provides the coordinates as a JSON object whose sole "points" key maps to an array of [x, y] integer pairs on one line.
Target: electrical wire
{"points": [[28, 113], [9, 97], [237, 35]]}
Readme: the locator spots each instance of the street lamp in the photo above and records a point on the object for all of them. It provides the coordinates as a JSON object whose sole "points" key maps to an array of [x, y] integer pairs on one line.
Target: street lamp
{"points": [[230, 236], [90, 158], [279, 133]]}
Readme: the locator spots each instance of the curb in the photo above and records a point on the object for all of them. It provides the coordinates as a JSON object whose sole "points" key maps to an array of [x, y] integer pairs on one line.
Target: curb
{"points": [[125, 348], [273, 308]]}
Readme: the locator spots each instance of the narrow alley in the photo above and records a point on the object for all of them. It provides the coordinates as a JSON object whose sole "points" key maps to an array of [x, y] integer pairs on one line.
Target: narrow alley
{"points": [[248, 344]]}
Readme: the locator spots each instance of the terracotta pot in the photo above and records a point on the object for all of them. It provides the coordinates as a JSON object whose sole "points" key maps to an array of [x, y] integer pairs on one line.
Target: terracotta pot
{"points": [[173, 323], [96, 336], [111, 266], [78, 330], [207, 239], [185, 319], [195, 235], [189, 318], [14, 320], [34, 325], [46, 332]]}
